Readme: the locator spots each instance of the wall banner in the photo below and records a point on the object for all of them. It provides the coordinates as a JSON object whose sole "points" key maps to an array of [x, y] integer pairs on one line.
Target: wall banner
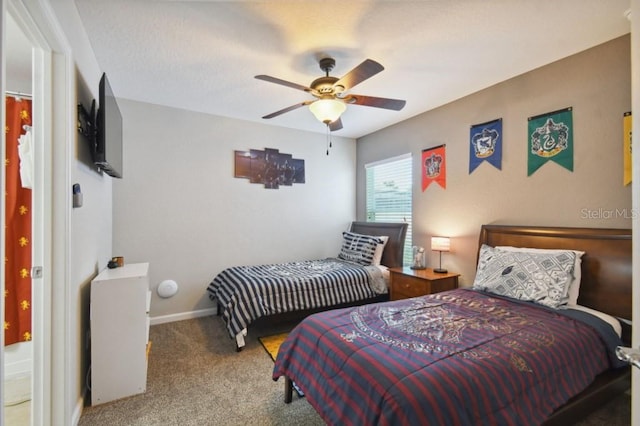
{"points": [[627, 147], [434, 166], [550, 137], [485, 144]]}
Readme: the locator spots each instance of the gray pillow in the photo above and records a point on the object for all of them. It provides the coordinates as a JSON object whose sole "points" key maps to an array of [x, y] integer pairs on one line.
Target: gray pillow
{"points": [[542, 278]]}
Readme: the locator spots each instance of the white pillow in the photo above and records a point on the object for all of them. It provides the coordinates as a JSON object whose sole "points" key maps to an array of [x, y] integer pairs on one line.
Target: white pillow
{"points": [[377, 256], [542, 278], [574, 287]]}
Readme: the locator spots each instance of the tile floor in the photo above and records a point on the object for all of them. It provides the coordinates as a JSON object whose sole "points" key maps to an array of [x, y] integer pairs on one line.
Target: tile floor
{"points": [[17, 404]]}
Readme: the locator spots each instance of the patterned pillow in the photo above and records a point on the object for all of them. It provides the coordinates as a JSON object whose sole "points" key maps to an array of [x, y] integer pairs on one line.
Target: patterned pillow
{"points": [[574, 286], [542, 278], [358, 248]]}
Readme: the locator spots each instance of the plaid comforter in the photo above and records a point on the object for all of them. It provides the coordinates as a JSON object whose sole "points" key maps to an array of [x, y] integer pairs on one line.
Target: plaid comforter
{"points": [[246, 293], [454, 358]]}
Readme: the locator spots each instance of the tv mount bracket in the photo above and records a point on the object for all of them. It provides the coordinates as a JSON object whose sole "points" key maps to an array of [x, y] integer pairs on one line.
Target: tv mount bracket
{"points": [[86, 120]]}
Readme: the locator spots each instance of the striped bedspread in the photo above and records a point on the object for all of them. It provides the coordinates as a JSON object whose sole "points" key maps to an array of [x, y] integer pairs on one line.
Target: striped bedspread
{"points": [[454, 358], [246, 293]]}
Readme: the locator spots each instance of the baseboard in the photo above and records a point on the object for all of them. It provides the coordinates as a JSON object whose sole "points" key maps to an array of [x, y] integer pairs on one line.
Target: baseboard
{"points": [[77, 412], [183, 316]]}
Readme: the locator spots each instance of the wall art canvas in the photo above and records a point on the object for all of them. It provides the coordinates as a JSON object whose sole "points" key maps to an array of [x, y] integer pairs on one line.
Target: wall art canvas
{"points": [[269, 167]]}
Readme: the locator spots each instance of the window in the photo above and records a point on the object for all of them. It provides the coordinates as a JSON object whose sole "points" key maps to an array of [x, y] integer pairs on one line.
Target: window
{"points": [[389, 194]]}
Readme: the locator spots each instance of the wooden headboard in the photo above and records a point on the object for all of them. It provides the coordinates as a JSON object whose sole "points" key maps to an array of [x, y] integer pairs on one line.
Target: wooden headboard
{"points": [[397, 232], [606, 265]]}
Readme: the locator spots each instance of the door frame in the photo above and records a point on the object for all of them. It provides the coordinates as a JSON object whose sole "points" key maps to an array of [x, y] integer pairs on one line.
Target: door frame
{"points": [[53, 109], [634, 18]]}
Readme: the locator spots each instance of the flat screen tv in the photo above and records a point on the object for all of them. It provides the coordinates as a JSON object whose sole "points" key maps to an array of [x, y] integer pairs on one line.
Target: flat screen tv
{"points": [[108, 146]]}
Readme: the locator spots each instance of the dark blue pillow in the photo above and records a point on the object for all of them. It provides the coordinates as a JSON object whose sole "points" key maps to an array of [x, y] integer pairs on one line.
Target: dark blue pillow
{"points": [[358, 248]]}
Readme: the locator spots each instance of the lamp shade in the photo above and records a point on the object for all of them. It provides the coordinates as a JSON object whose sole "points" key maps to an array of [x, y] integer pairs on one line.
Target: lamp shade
{"points": [[440, 243], [327, 110]]}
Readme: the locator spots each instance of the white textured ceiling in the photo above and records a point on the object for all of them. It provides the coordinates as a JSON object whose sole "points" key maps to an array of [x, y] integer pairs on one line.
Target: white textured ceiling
{"points": [[203, 55]]}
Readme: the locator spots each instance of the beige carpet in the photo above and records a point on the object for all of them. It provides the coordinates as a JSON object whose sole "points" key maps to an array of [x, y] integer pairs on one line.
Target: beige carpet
{"points": [[196, 377]]}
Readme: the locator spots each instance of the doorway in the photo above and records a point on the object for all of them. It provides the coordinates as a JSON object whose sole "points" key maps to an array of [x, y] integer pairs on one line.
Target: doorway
{"points": [[18, 378], [27, 67]]}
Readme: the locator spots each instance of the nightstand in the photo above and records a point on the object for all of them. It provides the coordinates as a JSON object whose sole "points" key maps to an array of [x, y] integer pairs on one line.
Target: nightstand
{"points": [[407, 282]]}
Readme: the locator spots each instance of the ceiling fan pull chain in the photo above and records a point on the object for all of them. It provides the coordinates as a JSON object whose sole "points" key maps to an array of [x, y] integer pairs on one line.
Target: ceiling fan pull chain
{"points": [[328, 139]]}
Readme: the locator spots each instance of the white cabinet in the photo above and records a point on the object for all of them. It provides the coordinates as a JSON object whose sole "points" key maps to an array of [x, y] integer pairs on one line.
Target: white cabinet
{"points": [[120, 302]]}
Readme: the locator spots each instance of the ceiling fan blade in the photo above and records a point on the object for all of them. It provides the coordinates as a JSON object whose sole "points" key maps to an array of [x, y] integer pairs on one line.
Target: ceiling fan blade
{"points": [[291, 108], [372, 101], [335, 125], [283, 82], [365, 70]]}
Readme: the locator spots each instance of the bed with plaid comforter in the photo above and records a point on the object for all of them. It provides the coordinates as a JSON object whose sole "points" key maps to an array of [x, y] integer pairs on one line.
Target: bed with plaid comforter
{"points": [[461, 357]]}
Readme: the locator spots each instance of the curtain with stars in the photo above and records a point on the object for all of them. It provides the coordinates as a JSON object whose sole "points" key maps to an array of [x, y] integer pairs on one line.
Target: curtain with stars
{"points": [[17, 294]]}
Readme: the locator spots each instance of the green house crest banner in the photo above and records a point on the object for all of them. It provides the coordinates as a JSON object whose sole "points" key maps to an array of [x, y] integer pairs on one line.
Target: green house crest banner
{"points": [[551, 138]]}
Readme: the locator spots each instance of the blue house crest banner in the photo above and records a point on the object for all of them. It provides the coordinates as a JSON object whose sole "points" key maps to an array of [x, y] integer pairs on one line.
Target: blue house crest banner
{"points": [[485, 144], [551, 138]]}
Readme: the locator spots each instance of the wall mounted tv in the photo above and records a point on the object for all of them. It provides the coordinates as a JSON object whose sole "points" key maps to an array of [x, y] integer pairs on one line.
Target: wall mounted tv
{"points": [[109, 142]]}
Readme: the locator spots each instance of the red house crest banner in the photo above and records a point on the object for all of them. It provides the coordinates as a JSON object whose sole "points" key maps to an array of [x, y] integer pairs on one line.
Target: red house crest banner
{"points": [[434, 166]]}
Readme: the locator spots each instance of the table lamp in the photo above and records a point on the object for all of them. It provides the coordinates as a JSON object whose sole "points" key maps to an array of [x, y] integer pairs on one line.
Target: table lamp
{"points": [[440, 244]]}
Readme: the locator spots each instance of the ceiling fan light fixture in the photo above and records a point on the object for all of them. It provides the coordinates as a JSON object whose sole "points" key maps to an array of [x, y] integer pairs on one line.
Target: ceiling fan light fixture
{"points": [[331, 93], [327, 110]]}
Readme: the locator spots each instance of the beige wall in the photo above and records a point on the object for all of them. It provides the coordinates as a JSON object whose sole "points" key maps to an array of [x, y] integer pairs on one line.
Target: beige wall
{"points": [[596, 83], [179, 207]]}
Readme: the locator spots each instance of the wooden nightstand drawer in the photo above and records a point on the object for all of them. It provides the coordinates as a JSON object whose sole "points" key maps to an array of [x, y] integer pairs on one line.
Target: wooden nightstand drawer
{"points": [[407, 282], [411, 287]]}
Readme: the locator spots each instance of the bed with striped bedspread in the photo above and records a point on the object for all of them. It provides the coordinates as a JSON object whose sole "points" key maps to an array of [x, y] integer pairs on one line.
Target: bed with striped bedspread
{"points": [[461, 357], [247, 293]]}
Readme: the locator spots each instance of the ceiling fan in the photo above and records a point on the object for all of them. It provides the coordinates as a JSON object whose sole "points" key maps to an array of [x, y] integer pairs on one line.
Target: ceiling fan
{"points": [[331, 95]]}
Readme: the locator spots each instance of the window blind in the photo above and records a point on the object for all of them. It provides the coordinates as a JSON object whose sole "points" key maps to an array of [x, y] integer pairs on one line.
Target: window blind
{"points": [[389, 194]]}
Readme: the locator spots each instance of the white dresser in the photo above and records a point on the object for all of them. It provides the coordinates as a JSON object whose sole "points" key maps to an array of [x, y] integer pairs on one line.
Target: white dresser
{"points": [[120, 302]]}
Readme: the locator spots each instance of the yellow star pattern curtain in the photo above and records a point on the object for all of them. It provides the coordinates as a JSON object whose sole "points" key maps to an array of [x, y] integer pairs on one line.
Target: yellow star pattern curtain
{"points": [[17, 262]]}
